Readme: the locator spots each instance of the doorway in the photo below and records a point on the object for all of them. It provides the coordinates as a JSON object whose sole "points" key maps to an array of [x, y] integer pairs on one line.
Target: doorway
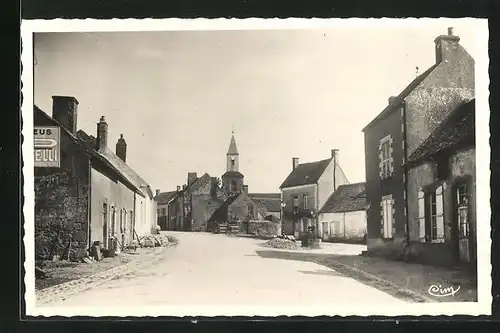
{"points": [[326, 231], [105, 225], [463, 221]]}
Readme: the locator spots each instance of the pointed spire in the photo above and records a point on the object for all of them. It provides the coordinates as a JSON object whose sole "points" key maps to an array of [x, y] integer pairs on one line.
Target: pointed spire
{"points": [[233, 150]]}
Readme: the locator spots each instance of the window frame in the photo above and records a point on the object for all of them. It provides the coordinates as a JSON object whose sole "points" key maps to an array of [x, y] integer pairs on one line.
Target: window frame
{"points": [[387, 216], [385, 156]]}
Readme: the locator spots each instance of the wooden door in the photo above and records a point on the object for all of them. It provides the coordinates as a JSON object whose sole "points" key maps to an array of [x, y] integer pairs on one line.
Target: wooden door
{"points": [[463, 222]]}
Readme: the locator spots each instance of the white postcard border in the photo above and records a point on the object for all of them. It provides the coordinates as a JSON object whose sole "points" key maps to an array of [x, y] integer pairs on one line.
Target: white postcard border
{"points": [[483, 306]]}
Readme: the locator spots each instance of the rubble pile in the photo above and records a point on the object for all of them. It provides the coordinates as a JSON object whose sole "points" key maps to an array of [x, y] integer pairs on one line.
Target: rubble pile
{"points": [[281, 243]]}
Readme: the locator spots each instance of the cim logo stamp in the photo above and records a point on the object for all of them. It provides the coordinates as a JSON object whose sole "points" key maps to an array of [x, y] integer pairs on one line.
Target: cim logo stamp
{"points": [[440, 291]]}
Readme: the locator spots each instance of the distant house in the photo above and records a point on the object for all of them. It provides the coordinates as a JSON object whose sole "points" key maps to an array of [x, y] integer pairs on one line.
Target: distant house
{"points": [[162, 199], [343, 216], [443, 223], [193, 205], [395, 134], [271, 203], [93, 195], [305, 191], [238, 207]]}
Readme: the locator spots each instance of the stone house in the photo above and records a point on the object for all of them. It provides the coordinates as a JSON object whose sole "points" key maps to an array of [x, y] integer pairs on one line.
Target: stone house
{"points": [[162, 199], [238, 207], [443, 177], [193, 205], [343, 216], [92, 196], [306, 189], [393, 135]]}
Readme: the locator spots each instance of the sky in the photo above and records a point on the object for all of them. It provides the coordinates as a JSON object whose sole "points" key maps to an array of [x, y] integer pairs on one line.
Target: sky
{"points": [[176, 96]]}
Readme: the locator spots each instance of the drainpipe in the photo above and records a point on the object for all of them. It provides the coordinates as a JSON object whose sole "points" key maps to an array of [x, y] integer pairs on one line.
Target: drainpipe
{"points": [[405, 170], [89, 206]]}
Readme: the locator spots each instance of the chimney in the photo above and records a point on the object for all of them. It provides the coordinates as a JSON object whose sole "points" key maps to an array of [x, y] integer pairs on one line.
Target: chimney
{"points": [[392, 99], [184, 187], [446, 46], [295, 162], [64, 111], [245, 189], [102, 134], [178, 188], [335, 157], [121, 148], [157, 192], [192, 176]]}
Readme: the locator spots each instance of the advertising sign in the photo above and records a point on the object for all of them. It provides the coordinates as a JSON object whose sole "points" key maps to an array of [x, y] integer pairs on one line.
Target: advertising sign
{"points": [[47, 147]]}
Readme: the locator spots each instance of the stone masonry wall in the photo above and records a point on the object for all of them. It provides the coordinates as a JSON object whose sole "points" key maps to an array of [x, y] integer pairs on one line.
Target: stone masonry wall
{"points": [[61, 215]]}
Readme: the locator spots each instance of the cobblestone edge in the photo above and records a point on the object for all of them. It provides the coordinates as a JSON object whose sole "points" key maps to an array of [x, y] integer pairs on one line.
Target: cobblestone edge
{"points": [[393, 285], [69, 288]]}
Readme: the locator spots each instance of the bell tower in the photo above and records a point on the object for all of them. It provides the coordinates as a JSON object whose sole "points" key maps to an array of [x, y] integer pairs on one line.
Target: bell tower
{"points": [[232, 180]]}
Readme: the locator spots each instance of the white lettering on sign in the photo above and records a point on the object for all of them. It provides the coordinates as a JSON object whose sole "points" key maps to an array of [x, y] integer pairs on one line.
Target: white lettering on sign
{"points": [[47, 146]]}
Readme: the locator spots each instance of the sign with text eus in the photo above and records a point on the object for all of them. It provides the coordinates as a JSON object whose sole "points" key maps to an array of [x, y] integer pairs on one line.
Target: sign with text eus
{"points": [[47, 147]]}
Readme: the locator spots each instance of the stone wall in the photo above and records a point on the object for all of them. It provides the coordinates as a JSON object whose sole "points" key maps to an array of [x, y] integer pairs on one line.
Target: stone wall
{"points": [[61, 215], [260, 228]]}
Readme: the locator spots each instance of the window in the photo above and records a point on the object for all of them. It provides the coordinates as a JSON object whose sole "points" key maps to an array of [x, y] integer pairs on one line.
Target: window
{"points": [[306, 201], [386, 164], [233, 186], [158, 212], [431, 218], [295, 201], [387, 217], [336, 228], [463, 210]]}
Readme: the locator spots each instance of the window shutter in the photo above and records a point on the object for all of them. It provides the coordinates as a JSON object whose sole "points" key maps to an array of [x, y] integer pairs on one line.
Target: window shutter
{"points": [[382, 234], [391, 158], [393, 233], [440, 214], [421, 215], [380, 161]]}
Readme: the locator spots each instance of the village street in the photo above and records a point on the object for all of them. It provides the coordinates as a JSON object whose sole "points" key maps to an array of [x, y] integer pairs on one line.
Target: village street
{"points": [[219, 270]]}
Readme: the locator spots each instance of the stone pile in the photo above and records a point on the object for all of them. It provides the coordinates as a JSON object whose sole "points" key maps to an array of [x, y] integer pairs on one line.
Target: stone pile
{"points": [[281, 243]]}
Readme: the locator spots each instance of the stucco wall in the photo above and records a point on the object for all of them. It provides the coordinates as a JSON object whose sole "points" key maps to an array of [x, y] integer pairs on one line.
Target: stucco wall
{"points": [[299, 191], [376, 188], [427, 107], [350, 226], [114, 194], [326, 183]]}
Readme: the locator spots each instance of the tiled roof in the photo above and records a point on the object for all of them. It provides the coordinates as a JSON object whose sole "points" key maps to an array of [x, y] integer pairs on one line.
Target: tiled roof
{"points": [[82, 139], [270, 204], [236, 174], [119, 164], [265, 195], [406, 91], [222, 210], [306, 173], [164, 197], [458, 129], [347, 198]]}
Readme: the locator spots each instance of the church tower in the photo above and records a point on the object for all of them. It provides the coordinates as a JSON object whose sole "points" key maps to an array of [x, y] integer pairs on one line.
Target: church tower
{"points": [[232, 180]]}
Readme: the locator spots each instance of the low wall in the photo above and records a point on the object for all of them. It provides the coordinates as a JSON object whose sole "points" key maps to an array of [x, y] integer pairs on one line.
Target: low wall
{"points": [[260, 228], [61, 215]]}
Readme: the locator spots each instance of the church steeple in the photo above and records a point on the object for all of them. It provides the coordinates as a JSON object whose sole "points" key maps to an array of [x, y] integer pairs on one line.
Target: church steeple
{"points": [[232, 180], [233, 150], [232, 155]]}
